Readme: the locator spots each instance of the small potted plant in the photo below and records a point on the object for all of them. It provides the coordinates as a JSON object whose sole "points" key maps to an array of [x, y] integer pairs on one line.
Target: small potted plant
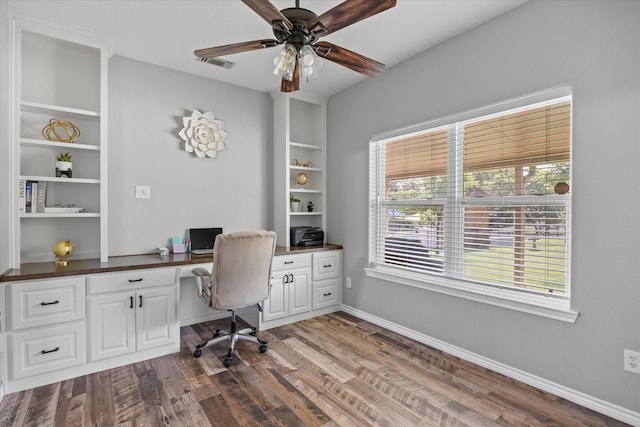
{"points": [[64, 165], [294, 202]]}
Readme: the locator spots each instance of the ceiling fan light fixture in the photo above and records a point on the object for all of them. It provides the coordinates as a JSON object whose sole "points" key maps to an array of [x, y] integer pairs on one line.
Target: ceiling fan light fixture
{"points": [[286, 62], [310, 63]]}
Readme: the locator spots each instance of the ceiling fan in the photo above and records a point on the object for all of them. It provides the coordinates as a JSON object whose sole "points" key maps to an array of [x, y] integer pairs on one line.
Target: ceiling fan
{"points": [[299, 30]]}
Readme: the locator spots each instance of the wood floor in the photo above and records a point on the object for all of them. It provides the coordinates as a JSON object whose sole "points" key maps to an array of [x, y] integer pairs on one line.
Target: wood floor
{"points": [[335, 370]]}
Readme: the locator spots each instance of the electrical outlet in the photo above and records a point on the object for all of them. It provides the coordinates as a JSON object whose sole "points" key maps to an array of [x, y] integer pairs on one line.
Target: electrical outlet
{"points": [[632, 361], [348, 282]]}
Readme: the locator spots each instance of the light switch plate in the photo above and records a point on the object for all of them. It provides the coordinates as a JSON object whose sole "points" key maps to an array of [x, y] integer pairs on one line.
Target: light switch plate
{"points": [[143, 192]]}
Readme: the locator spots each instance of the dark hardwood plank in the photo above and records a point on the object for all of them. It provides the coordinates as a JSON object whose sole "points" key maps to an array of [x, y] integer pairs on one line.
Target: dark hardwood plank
{"points": [[333, 370]]}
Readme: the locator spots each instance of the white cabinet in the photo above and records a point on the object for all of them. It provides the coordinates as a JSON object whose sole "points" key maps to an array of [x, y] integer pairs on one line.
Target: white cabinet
{"points": [[302, 286], [46, 326], [290, 291], [59, 74], [326, 279], [131, 312], [299, 141]]}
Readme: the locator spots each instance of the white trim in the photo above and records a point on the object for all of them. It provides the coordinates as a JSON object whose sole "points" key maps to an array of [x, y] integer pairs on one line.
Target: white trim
{"points": [[543, 97], [535, 304], [583, 399]]}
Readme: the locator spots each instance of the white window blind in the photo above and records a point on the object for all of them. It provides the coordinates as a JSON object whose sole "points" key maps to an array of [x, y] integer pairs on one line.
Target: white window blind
{"points": [[484, 200]]}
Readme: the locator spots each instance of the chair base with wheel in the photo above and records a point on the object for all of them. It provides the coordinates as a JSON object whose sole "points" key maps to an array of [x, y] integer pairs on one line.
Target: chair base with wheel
{"points": [[232, 336]]}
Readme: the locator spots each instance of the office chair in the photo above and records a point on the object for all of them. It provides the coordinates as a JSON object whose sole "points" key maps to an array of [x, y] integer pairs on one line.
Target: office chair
{"points": [[240, 277]]}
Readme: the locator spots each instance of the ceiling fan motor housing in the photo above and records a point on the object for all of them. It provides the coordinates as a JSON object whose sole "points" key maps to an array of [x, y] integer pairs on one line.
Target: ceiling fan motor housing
{"points": [[299, 35]]}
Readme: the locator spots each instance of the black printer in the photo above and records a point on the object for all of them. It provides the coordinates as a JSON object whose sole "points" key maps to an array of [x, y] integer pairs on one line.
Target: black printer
{"points": [[306, 236]]}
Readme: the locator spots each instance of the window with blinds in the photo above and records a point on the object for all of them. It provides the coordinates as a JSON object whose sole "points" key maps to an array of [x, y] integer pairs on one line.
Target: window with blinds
{"points": [[484, 200]]}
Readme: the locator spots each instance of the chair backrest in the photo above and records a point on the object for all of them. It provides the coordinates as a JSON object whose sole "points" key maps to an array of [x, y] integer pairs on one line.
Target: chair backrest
{"points": [[241, 270]]}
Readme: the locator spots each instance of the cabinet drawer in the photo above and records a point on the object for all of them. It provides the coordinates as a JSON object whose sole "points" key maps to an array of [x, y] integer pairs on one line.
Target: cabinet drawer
{"points": [[46, 302], [48, 349], [282, 262], [326, 265], [325, 293], [133, 279]]}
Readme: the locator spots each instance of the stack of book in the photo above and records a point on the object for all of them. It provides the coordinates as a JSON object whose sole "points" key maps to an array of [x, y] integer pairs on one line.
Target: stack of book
{"points": [[32, 198]]}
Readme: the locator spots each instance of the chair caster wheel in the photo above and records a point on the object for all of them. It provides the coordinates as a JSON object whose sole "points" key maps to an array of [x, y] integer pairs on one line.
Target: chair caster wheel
{"points": [[227, 362], [263, 348], [197, 353]]}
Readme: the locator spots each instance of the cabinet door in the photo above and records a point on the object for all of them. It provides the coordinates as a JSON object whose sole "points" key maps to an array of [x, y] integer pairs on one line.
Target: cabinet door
{"points": [[156, 318], [111, 325], [300, 291], [275, 306]]}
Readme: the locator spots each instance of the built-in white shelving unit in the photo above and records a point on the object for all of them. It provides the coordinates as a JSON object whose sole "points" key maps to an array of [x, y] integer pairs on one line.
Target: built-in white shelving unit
{"points": [[299, 138], [60, 74]]}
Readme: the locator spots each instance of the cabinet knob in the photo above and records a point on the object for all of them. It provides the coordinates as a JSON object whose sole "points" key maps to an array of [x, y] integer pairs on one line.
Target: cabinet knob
{"points": [[50, 303], [49, 351]]}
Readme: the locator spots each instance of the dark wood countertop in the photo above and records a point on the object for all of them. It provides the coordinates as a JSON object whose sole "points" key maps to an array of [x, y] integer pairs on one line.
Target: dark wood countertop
{"points": [[47, 270]]}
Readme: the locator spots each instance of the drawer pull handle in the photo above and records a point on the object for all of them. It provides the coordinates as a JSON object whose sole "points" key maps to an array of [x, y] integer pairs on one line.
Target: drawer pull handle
{"points": [[288, 262], [130, 302], [135, 280], [140, 301], [50, 303], [49, 351], [291, 278], [326, 294], [327, 265]]}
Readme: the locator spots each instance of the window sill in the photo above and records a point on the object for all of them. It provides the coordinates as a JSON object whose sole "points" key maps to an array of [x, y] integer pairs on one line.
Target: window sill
{"points": [[538, 305]]}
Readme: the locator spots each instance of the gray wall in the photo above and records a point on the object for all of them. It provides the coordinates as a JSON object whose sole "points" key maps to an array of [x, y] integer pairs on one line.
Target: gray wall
{"points": [[593, 46], [235, 190]]}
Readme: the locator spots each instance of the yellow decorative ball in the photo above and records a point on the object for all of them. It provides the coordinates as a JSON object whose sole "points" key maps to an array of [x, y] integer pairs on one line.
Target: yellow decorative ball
{"points": [[62, 250], [302, 178]]}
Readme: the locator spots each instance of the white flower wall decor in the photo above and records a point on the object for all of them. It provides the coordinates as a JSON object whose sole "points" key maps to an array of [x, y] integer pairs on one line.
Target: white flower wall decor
{"points": [[203, 134]]}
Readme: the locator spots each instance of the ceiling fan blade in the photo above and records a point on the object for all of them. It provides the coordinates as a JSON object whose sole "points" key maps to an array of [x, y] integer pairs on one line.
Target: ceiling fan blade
{"points": [[294, 84], [347, 13], [270, 13], [212, 52], [349, 59]]}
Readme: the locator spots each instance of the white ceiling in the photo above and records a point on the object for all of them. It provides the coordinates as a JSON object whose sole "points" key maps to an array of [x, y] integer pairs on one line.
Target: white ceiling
{"points": [[166, 32]]}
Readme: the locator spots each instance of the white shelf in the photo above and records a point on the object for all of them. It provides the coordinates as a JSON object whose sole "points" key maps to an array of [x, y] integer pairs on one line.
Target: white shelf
{"points": [[314, 213], [60, 215], [59, 74], [305, 169], [30, 142], [307, 147], [63, 180], [37, 107], [304, 190]]}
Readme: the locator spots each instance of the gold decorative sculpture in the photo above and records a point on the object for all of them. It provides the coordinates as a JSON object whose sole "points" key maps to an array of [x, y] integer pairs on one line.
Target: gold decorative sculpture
{"points": [[50, 131], [62, 250], [302, 178]]}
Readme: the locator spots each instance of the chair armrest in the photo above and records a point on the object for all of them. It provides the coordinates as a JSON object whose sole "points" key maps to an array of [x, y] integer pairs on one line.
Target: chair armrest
{"points": [[199, 272], [202, 275]]}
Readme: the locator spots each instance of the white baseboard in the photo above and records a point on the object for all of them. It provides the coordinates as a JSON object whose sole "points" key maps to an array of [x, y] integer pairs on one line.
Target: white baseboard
{"points": [[575, 396]]}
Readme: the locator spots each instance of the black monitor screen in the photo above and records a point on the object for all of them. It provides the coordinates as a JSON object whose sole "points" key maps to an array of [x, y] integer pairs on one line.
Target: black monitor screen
{"points": [[203, 238]]}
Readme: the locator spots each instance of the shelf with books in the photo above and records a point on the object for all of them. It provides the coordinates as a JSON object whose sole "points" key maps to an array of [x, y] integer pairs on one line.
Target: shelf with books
{"points": [[63, 180], [60, 107], [60, 215]]}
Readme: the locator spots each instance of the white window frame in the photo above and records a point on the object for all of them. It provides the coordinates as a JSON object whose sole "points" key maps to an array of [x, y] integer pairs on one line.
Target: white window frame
{"points": [[550, 306]]}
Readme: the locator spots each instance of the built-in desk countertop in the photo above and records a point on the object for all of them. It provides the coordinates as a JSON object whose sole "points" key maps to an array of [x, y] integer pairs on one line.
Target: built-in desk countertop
{"points": [[46, 270]]}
